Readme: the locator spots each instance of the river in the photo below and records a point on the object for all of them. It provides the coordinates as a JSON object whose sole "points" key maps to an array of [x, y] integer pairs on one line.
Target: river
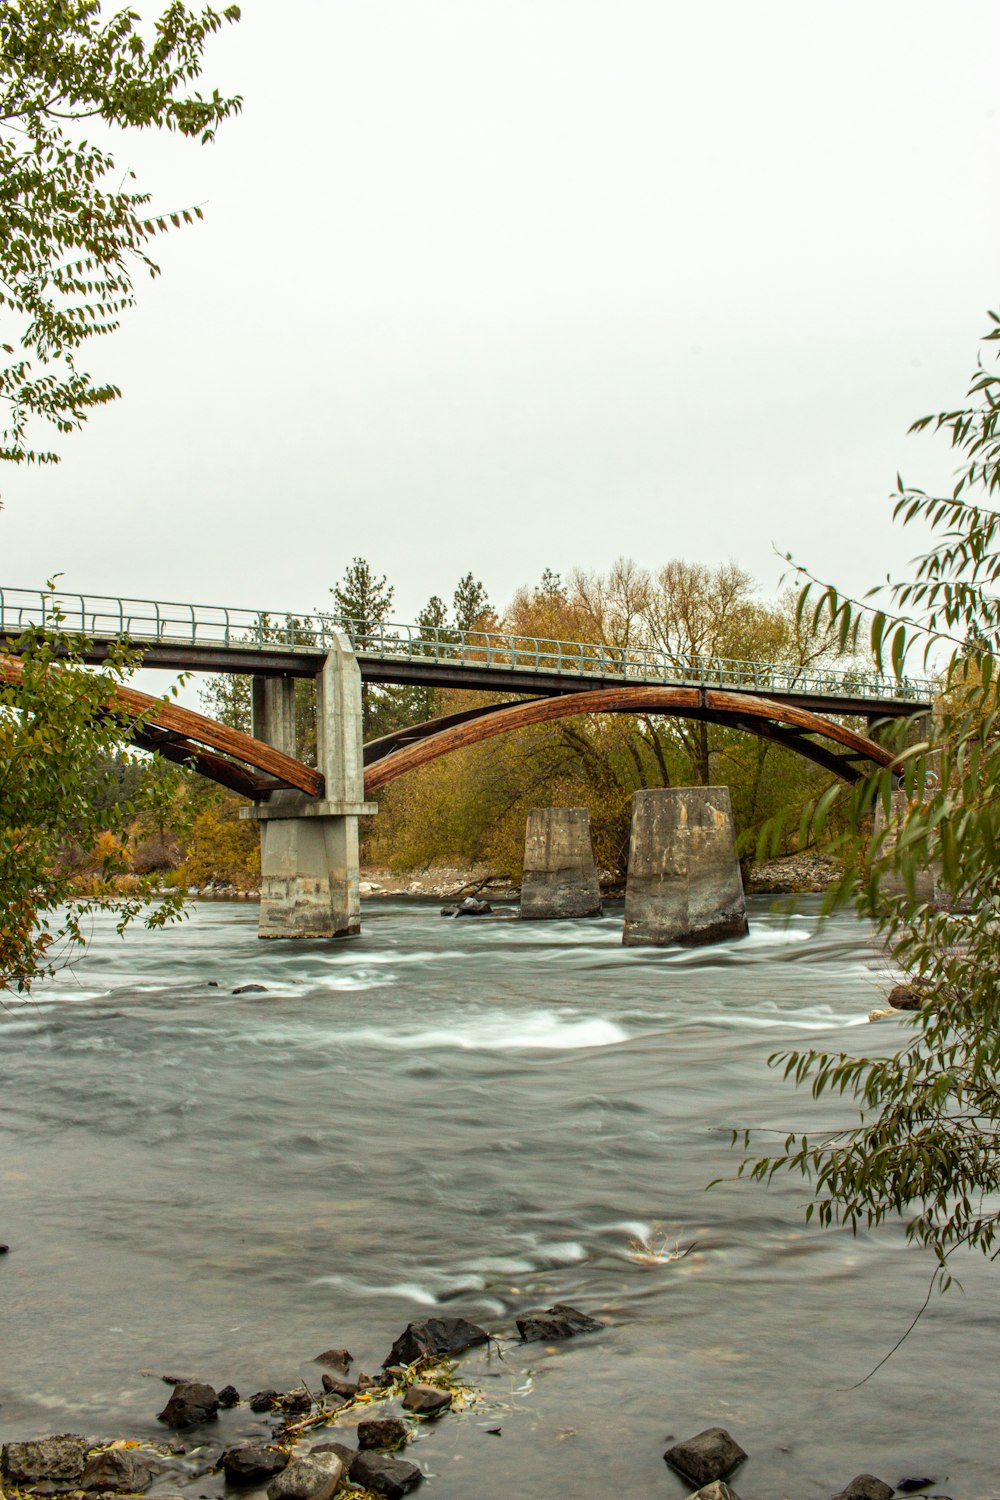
{"points": [[475, 1117]]}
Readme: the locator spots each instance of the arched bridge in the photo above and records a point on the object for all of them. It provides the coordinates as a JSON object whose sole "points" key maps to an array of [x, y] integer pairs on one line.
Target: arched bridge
{"points": [[308, 815]]}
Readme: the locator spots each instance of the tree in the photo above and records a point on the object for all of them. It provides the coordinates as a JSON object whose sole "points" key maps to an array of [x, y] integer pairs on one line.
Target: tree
{"points": [[927, 1145], [471, 603], [363, 601], [56, 827], [73, 228]]}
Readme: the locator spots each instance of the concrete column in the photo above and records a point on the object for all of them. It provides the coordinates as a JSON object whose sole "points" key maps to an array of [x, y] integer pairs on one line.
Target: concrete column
{"points": [[560, 877], [684, 883], [309, 846], [925, 884]]}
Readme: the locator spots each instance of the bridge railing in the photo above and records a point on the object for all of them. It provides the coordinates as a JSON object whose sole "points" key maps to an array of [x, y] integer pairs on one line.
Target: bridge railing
{"points": [[146, 620]]}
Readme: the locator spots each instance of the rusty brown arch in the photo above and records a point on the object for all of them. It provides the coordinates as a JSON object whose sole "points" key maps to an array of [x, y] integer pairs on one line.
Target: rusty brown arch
{"points": [[189, 738], [787, 725]]}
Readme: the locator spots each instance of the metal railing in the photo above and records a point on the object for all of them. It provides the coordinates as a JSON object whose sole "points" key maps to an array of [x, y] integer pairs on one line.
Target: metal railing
{"points": [[145, 621]]}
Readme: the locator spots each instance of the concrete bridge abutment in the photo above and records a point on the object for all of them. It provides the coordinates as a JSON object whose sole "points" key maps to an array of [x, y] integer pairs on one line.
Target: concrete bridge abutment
{"points": [[560, 877], [684, 884], [309, 846]]}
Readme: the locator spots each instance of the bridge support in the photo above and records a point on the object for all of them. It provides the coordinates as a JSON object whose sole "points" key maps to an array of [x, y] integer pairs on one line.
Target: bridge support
{"points": [[684, 883], [560, 878], [308, 846]]}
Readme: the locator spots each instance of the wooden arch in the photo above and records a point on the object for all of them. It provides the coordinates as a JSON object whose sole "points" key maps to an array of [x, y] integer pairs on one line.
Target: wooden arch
{"points": [[225, 755], [397, 754]]}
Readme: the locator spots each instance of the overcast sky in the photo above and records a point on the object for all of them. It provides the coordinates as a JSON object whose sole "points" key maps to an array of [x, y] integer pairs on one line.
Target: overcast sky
{"points": [[504, 285]]}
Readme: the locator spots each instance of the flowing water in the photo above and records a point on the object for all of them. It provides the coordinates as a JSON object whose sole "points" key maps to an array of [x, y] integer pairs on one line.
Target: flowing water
{"points": [[474, 1117]]}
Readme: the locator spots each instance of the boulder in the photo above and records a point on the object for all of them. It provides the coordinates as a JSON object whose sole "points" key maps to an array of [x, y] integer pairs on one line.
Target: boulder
{"points": [[906, 996], [382, 1432], [717, 1491], [253, 1463], [191, 1402], [435, 1336], [314, 1477], [336, 1359], [346, 1454], [866, 1487], [55, 1458], [264, 1400], [426, 1400], [558, 1322], [229, 1396], [338, 1385], [473, 907], [707, 1456], [385, 1474], [125, 1471], [250, 989]]}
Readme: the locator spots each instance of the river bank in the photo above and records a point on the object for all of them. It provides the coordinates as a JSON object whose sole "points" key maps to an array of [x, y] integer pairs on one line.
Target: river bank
{"points": [[795, 874]]}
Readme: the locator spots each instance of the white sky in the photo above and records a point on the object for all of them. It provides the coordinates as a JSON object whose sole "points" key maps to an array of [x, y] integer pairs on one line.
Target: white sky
{"points": [[506, 286]]}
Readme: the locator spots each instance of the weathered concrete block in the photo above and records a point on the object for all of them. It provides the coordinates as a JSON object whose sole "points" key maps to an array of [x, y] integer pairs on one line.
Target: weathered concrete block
{"points": [[309, 877], [684, 883], [560, 878]]}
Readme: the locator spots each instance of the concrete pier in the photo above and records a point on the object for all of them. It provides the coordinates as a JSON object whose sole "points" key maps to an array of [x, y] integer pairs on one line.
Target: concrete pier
{"points": [[684, 883], [560, 877], [308, 846]]}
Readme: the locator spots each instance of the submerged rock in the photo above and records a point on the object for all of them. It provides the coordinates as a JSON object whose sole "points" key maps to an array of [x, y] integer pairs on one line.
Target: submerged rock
{"points": [[434, 1336], [557, 1322], [385, 1474], [337, 1359], [707, 1456], [250, 989], [192, 1402], [50, 1458], [908, 1486]]}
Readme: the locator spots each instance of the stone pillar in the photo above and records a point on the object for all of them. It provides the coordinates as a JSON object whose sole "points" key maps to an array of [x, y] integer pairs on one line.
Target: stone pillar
{"points": [[309, 846], [684, 883], [560, 877]]}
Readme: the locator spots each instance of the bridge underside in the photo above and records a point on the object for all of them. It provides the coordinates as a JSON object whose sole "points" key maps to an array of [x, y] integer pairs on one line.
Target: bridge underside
{"points": [[253, 768], [828, 744]]}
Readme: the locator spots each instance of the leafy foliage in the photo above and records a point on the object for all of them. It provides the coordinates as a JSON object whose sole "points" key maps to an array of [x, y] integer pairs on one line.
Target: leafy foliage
{"points": [[926, 1147], [59, 745], [73, 228]]}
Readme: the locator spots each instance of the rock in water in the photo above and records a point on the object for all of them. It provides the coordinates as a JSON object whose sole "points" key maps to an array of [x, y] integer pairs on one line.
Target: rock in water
{"points": [[426, 1400], [385, 1474], [717, 1491], [337, 1359], [908, 1486], [558, 1322], [708, 1456], [314, 1477], [252, 1463], [435, 1336], [250, 989], [346, 1454], [906, 996], [866, 1487], [264, 1400], [470, 907], [382, 1432], [229, 1397], [55, 1458], [191, 1402], [122, 1470]]}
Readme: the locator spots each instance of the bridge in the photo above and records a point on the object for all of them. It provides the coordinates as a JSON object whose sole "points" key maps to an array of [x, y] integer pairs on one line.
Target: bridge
{"points": [[308, 814]]}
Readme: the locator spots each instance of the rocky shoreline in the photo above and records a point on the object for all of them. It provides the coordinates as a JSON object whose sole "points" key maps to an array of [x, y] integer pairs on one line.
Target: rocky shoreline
{"points": [[344, 1433], [793, 874]]}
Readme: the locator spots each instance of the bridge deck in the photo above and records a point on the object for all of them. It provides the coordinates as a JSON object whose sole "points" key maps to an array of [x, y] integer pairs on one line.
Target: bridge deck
{"points": [[214, 638]]}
